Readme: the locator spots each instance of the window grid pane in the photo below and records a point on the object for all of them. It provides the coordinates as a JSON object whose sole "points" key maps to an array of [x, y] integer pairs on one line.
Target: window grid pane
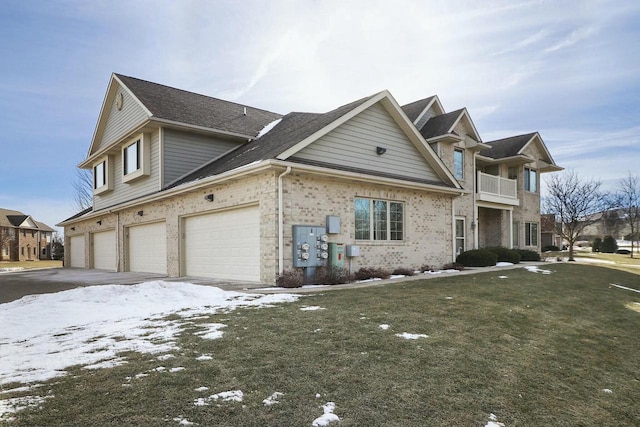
{"points": [[379, 220], [362, 211], [99, 175], [132, 158], [395, 221]]}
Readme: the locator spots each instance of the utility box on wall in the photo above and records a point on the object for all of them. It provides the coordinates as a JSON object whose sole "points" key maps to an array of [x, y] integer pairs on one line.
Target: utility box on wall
{"points": [[310, 247], [336, 254]]}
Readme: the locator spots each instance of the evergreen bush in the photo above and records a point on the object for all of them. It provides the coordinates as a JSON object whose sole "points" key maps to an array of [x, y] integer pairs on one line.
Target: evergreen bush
{"points": [[505, 254], [528, 255], [597, 245], [477, 258], [609, 245]]}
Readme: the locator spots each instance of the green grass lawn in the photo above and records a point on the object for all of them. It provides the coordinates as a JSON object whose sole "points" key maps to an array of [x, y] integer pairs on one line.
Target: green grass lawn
{"points": [[534, 349]]}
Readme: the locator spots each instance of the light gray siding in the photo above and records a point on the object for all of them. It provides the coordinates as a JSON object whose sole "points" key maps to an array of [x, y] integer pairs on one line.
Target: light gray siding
{"points": [[184, 152], [354, 143], [123, 192], [120, 122]]}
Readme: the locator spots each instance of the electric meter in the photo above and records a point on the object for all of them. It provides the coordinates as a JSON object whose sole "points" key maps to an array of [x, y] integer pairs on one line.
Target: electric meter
{"points": [[324, 238], [305, 246], [324, 246], [305, 255], [324, 255]]}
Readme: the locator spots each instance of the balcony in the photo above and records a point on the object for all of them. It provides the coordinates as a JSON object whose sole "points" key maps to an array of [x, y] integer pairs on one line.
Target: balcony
{"points": [[495, 189]]}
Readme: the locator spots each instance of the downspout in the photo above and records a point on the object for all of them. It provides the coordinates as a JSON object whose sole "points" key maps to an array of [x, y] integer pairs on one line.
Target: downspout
{"points": [[281, 222], [474, 222]]}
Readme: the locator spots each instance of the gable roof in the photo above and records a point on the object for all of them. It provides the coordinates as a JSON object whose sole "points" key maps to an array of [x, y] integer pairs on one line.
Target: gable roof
{"points": [[293, 128], [441, 125], [297, 130], [415, 110], [12, 218], [514, 146], [508, 147], [181, 106]]}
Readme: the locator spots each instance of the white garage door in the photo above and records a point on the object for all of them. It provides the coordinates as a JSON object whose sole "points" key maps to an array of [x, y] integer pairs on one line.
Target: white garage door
{"points": [[148, 248], [104, 250], [77, 251], [224, 245]]}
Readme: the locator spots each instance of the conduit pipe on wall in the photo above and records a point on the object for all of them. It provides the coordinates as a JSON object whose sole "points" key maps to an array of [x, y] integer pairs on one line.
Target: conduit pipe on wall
{"points": [[281, 222]]}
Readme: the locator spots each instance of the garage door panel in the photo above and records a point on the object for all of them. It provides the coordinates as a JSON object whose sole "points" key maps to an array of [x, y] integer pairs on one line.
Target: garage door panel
{"points": [[223, 245], [104, 250], [148, 248], [77, 251]]}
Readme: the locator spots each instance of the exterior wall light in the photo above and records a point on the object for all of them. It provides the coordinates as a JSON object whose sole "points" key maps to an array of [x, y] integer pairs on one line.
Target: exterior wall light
{"points": [[380, 151], [99, 222], [209, 197], [140, 213]]}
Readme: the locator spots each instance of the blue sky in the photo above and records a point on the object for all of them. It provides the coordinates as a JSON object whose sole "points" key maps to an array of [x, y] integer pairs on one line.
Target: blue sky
{"points": [[567, 69]]}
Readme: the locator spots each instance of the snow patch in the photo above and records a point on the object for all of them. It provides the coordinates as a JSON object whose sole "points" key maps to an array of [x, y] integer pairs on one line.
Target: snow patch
{"points": [[204, 357], [265, 130], [535, 269], [43, 335], [212, 331], [493, 422], [504, 264], [312, 308], [328, 417], [607, 390], [203, 388], [273, 399], [408, 336], [183, 421], [225, 396], [384, 326], [503, 277]]}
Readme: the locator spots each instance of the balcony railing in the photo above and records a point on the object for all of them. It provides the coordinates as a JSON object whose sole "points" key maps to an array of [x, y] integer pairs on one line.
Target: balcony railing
{"points": [[492, 188]]}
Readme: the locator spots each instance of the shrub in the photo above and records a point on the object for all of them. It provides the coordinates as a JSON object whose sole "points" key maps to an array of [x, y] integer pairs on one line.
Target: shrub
{"points": [[366, 273], [426, 267], [597, 245], [402, 271], [550, 248], [453, 266], [528, 255], [609, 245], [505, 254], [290, 279], [332, 275], [477, 258]]}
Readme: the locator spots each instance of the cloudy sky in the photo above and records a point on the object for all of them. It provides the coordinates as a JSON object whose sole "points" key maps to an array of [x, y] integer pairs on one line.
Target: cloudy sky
{"points": [[568, 69]]}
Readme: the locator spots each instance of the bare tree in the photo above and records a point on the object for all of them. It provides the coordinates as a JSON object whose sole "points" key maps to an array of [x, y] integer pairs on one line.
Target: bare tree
{"points": [[83, 189], [628, 199], [575, 204]]}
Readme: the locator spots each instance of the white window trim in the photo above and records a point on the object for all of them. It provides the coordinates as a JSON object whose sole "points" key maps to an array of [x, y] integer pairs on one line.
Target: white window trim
{"points": [[145, 155], [527, 230], [108, 170], [464, 234], [527, 178]]}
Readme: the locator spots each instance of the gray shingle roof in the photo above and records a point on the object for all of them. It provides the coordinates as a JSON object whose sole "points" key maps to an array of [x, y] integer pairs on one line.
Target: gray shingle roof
{"points": [[414, 109], [507, 147], [181, 106], [440, 125], [292, 129], [13, 218]]}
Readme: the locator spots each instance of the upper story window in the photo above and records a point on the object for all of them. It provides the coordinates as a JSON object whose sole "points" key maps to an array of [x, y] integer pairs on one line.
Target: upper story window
{"points": [[530, 180], [458, 163], [379, 220], [135, 158], [102, 176]]}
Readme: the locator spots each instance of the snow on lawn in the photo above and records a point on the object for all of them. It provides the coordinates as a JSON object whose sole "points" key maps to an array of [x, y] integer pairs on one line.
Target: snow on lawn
{"points": [[225, 396], [312, 308], [273, 399], [535, 269], [493, 421], [328, 417], [504, 264], [408, 336], [43, 335]]}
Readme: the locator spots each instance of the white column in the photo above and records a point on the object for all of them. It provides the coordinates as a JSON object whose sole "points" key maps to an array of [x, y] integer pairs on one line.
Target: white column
{"points": [[510, 229]]}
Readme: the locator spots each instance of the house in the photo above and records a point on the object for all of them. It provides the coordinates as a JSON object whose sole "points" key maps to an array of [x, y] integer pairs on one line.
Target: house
{"points": [[189, 185], [22, 238], [549, 231]]}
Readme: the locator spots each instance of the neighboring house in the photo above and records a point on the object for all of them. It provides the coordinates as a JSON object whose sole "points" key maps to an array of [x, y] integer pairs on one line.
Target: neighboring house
{"points": [[22, 238], [188, 185], [549, 231], [612, 222]]}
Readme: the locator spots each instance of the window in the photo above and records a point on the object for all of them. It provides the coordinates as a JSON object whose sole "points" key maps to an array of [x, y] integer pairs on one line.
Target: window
{"points": [[132, 158], [530, 180], [458, 163], [379, 220], [100, 175], [44, 251], [103, 176], [516, 234], [35, 251], [135, 158], [460, 240], [22, 250], [513, 172], [5, 250], [531, 234]]}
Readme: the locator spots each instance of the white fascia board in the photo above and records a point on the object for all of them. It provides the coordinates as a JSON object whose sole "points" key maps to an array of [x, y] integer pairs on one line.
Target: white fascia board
{"points": [[435, 101], [520, 158], [552, 163], [88, 162], [471, 124], [200, 129]]}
